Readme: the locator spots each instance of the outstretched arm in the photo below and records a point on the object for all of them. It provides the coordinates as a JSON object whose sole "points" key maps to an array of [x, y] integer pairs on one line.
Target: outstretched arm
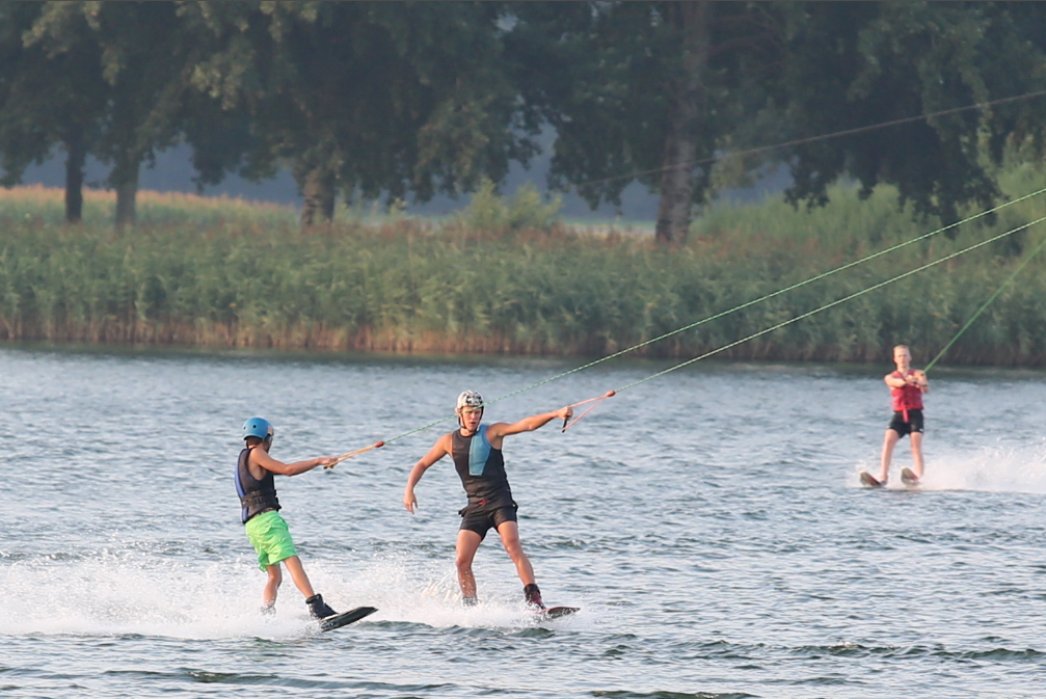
{"points": [[440, 449], [262, 458], [500, 430]]}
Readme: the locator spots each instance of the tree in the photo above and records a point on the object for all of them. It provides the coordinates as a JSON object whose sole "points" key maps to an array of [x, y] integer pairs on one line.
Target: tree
{"points": [[136, 64], [146, 61], [849, 65], [105, 79], [51, 93], [644, 92], [370, 99], [413, 98], [662, 92], [212, 121]]}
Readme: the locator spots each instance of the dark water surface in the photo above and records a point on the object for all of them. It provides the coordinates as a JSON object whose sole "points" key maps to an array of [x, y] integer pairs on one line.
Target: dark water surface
{"points": [[709, 523]]}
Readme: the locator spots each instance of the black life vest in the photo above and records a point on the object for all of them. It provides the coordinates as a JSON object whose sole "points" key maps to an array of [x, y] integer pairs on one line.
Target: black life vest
{"points": [[256, 496], [481, 469]]}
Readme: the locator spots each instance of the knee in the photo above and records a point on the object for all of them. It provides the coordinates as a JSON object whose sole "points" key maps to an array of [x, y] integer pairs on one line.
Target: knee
{"points": [[463, 558], [275, 576], [463, 562], [514, 549]]}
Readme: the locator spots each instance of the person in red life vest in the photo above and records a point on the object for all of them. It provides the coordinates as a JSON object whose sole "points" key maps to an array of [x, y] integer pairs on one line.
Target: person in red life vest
{"points": [[475, 448], [266, 529], [907, 387]]}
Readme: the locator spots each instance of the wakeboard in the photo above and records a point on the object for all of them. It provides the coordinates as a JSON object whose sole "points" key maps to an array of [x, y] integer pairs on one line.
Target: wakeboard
{"points": [[869, 480], [908, 477], [338, 620], [557, 612]]}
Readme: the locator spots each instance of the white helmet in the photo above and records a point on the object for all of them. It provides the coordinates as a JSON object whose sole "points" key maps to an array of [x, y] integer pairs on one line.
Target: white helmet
{"points": [[468, 399]]}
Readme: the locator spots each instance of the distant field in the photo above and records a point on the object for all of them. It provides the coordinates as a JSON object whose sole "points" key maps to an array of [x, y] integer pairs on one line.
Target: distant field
{"points": [[508, 276]]}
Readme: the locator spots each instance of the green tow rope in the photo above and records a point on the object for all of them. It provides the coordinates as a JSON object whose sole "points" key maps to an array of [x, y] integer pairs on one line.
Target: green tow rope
{"points": [[985, 305]]}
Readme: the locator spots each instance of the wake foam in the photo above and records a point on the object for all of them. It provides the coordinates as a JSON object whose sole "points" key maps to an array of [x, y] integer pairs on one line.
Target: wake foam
{"points": [[133, 592], [998, 468]]}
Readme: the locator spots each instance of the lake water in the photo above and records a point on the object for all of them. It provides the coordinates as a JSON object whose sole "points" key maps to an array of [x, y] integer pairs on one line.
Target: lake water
{"points": [[708, 522]]}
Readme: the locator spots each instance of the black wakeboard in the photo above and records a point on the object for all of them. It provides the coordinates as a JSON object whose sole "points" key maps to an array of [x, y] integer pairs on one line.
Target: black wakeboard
{"points": [[556, 612], [338, 620]]}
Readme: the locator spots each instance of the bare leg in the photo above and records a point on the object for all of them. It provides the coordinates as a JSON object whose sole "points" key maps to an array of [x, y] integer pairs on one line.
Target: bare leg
{"points": [[917, 453], [301, 580], [468, 544], [509, 532], [889, 441], [272, 585]]}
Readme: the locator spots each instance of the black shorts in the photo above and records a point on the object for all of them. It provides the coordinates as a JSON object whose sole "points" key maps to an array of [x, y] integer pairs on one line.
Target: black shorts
{"points": [[914, 424], [481, 520]]}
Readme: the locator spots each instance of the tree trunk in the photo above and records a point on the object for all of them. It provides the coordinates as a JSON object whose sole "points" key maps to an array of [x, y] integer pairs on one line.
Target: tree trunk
{"points": [[126, 184], [318, 197], [74, 178], [680, 153]]}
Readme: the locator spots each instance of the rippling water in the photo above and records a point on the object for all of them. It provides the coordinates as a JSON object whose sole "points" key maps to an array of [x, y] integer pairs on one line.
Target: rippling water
{"points": [[709, 523]]}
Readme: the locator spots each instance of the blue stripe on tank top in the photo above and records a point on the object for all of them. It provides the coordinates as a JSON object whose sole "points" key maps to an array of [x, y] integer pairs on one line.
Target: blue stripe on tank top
{"points": [[479, 450]]}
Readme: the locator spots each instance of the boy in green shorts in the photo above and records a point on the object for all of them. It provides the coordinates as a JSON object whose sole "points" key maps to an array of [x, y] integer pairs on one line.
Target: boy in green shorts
{"points": [[266, 529]]}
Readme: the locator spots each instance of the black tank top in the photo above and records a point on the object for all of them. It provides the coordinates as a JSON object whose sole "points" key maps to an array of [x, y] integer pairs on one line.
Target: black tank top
{"points": [[256, 496], [481, 469]]}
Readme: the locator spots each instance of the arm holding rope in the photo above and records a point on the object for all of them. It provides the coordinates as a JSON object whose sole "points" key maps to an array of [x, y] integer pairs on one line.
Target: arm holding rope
{"points": [[262, 458], [918, 378], [355, 452], [500, 430], [915, 378], [895, 381]]}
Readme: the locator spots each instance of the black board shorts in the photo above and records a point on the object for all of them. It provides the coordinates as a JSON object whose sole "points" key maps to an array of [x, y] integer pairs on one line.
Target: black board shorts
{"points": [[914, 424], [482, 520]]}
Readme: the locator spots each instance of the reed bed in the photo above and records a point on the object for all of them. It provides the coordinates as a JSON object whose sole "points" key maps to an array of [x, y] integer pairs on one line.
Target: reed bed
{"points": [[508, 278]]}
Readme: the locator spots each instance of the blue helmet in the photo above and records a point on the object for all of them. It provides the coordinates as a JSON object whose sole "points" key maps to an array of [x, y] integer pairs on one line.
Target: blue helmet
{"points": [[258, 427]]}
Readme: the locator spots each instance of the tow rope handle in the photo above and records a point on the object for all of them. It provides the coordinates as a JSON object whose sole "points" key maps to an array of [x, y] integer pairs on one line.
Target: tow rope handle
{"points": [[355, 452], [568, 423]]}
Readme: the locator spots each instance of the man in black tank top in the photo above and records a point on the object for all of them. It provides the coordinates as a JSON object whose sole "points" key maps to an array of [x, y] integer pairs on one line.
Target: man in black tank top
{"points": [[476, 450]]}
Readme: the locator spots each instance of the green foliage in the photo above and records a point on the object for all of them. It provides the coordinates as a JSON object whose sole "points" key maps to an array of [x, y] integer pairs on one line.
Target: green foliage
{"points": [[405, 100], [891, 63], [526, 210], [232, 274]]}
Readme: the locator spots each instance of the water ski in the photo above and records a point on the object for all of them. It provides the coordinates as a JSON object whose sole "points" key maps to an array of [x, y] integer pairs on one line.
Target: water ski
{"points": [[908, 477], [870, 480], [338, 620], [557, 612]]}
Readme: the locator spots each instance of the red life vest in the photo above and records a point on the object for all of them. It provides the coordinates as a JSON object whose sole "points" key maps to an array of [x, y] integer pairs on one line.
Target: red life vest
{"points": [[907, 397]]}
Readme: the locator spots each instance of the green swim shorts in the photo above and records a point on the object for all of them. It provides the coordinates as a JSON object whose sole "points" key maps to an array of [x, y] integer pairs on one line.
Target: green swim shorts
{"points": [[270, 537]]}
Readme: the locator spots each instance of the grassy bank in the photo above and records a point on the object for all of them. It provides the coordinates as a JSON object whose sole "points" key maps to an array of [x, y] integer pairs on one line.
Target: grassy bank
{"points": [[503, 277]]}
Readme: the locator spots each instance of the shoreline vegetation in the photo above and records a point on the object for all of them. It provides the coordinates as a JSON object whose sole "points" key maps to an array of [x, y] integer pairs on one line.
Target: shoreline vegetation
{"points": [[507, 276]]}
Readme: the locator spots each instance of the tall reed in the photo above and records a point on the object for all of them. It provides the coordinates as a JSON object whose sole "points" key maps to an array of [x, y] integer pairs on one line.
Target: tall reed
{"points": [[228, 273]]}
